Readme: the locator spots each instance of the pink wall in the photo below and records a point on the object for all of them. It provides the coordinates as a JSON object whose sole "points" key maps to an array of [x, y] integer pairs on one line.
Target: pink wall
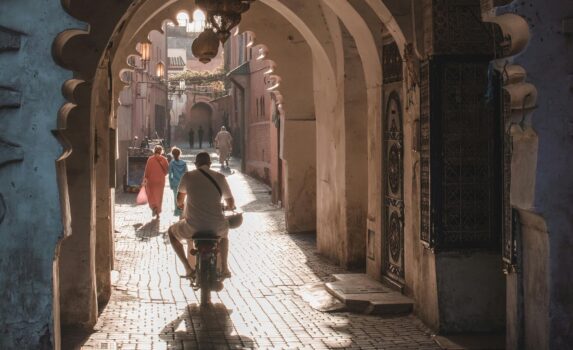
{"points": [[259, 127], [149, 92], [252, 113]]}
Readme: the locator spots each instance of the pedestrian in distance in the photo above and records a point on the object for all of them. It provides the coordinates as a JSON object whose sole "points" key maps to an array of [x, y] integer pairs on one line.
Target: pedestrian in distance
{"points": [[191, 135], [200, 134], [224, 143], [177, 168], [154, 179], [210, 137]]}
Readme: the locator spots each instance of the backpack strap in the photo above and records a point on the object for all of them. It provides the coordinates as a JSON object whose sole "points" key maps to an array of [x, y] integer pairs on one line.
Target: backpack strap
{"points": [[212, 180]]}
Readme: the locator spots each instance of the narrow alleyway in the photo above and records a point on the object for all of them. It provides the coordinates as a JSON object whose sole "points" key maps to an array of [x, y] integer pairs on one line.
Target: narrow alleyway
{"points": [[152, 308]]}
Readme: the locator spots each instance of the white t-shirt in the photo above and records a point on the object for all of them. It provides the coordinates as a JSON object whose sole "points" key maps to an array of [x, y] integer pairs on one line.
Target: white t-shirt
{"points": [[203, 203]]}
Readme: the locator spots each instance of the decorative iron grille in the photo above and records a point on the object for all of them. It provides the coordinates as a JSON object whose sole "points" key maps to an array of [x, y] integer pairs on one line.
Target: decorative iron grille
{"points": [[461, 161], [394, 191], [391, 63], [426, 232]]}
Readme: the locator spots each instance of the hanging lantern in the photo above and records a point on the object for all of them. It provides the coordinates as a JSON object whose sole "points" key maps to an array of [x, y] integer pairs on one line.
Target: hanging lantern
{"points": [[206, 46], [223, 15]]}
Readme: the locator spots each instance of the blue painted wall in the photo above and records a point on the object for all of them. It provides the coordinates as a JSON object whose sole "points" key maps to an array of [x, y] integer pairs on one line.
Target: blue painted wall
{"points": [[548, 60], [31, 224]]}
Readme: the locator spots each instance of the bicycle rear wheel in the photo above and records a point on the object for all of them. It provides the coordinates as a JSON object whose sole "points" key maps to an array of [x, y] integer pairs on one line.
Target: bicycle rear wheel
{"points": [[205, 284]]}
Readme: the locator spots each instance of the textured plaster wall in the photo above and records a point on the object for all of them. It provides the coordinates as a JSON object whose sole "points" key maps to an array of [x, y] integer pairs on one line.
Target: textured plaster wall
{"points": [[77, 253], [30, 215], [471, 292], [104, 181], [332, 238], [355, 143], [535, 241], [547, 60], [124, 132], [299, 177], [290, 52], [258, 152], [221, 107]]}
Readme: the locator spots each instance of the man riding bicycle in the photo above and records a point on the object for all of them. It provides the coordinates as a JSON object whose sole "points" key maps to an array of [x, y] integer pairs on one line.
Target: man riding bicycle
{"points": [[200, 193]]}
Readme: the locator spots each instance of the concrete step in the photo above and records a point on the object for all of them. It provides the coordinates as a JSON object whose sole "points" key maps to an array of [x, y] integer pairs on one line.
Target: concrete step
{"points": [[362, 294], [320, 299], [471, 341]]}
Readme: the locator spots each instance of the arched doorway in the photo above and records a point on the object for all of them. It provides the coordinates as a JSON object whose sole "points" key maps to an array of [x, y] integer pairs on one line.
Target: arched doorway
{"points": [[201, 123], [338, 180]]}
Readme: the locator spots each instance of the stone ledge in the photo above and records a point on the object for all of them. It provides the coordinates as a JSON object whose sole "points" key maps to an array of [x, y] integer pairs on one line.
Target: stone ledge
{"points": [[362, 294]]}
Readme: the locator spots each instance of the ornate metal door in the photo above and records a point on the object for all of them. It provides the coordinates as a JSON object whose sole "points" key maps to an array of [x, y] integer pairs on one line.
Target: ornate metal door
{"points": [[393, 192], [460, 157]]}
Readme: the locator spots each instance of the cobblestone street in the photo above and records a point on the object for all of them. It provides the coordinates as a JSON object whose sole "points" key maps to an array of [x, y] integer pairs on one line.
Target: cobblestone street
{"points": [[153, 308]]}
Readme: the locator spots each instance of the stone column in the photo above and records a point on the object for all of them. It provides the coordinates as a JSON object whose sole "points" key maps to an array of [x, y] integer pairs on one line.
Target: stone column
{"points": [[292, 56], [101, 111], [356, 154], [77, 254], [461, 181]]}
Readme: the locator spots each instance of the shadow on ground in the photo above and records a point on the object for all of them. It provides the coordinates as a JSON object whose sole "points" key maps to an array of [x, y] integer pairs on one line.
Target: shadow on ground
{"points": [[73, 337], [207, 327], [148, 230], [126, 199]]}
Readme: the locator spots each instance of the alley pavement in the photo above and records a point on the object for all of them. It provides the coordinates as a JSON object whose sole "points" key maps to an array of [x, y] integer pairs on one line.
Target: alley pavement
{"points": [[151, 307]]}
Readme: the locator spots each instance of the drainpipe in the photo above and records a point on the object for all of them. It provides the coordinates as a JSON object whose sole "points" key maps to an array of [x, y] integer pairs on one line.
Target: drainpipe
{"points": [[243, 123]]}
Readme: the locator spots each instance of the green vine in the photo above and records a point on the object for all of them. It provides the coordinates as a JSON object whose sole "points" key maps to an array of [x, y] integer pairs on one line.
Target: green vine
{"points": [[201, 82], [199, 77]]}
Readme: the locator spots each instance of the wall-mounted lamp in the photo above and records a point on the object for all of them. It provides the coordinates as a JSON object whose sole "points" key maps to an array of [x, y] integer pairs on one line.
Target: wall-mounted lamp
{"points": [[160, 70], [145, 51]]}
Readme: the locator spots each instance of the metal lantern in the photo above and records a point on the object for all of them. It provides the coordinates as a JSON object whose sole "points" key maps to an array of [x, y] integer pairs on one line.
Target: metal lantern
{"points": [[206, 46], [160, 70], [223, 15]]}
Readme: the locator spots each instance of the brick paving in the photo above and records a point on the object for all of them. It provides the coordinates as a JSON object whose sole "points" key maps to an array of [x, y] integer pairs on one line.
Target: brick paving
{"points": [[152, 308]]}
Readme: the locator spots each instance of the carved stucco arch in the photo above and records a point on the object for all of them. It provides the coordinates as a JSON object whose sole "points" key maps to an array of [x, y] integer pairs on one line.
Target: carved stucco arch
{"points": [[113, 37], [512, 36], [149, 18], [151, 15], [114, 29]]}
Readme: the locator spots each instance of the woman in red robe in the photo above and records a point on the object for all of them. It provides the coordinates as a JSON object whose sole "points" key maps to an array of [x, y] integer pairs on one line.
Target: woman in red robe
{"points": [[156, 169]]}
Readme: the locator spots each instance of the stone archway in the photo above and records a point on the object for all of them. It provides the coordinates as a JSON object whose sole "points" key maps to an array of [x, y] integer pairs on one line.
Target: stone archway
{"points": [[327, 99], [86, 128], [201, 118]]}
